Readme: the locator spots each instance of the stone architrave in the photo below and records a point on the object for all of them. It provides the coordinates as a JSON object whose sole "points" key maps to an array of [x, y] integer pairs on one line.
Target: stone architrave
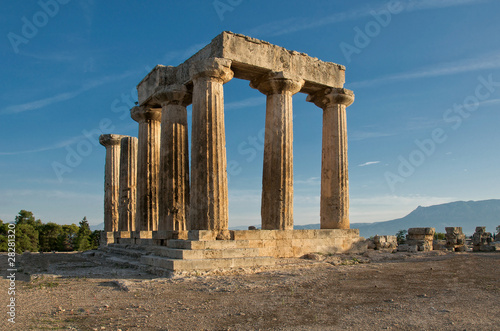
{"points": [[148, 157], [334, 205], [277, 178], [128, 184], [209, 195], [174, 158], [111, 180]]}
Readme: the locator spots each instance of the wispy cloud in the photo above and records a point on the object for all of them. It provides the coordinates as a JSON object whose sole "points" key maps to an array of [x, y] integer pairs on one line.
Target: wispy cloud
{"points": [[249, 102], [308, 181], [362, 135], [488, 61], [19, 108], [292, 25], [57, 145], [368, 163], [490, 102]]}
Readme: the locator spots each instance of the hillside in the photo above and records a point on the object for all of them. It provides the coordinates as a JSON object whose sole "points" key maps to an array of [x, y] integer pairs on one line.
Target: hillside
{"points": [[467, 214]]}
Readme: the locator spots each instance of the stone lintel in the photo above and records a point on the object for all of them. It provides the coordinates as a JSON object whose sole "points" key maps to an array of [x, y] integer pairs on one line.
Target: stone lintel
{"points": [[250, 58]]}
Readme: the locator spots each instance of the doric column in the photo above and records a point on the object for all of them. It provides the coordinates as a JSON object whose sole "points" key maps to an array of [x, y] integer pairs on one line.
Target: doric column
{"points": [[174, 158], [334, 210], [209, 206], [111, 180], [148, 157], [277, 178], [128, 182]]}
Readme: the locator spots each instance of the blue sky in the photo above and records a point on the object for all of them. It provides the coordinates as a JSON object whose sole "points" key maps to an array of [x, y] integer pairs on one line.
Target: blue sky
{"points": [[423, 129]]}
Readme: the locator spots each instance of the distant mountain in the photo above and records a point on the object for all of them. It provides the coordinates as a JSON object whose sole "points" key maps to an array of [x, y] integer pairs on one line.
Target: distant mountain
{"points": [[467, 214], [97, 227]]}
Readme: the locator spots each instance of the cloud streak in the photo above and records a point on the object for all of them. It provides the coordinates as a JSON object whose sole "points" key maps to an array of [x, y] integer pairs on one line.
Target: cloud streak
{"points": [[368, 163], [249, 102], [488, 61], [292, 25], [58, 145], [19, 108]]}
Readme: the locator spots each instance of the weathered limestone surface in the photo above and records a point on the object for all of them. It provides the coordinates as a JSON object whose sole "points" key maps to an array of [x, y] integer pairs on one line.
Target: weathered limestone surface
{"points": [[277, 178], [111, 180], [148, 156], [421, 237], [455, 239], [208, 201], [296, 243], [482, 240], [250, 59], [385, 242], [174, 158], [334, 205], [128, 184]]}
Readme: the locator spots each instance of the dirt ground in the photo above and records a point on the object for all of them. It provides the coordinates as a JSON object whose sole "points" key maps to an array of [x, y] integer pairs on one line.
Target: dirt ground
{"points": [[400, 291]]}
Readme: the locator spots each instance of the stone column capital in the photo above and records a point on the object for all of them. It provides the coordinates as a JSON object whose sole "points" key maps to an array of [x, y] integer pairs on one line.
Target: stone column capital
{"points": [[213, 69], [110, 139], [142, 114], [175, 94], [277, 83], [332, 95]]}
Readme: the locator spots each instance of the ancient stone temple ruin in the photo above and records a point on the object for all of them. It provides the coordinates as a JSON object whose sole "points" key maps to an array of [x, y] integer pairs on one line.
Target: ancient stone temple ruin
{"points": [[175, 217]]}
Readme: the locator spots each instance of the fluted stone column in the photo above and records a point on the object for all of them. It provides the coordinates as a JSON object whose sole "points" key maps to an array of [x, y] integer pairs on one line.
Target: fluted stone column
{"points": [[209, 204], [174, 158], [334, 209], [148, 156], [111, 180], [128, 183], [277, 178]]}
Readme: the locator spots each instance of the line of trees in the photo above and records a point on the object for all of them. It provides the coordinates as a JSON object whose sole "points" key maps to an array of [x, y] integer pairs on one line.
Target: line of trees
{"points": [[34, 236]]}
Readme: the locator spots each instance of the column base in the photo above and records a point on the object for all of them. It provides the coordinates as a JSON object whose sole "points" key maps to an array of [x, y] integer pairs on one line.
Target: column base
{"points": [[143, 237], [123, 237], [160, 237], [107, 238], [205, 235]]}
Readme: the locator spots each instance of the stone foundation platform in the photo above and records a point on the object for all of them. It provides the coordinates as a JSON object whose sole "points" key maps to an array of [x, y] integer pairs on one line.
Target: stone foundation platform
{"points": [[201, 251]]}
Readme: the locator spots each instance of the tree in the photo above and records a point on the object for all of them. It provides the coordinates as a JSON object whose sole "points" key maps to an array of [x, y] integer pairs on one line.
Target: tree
{"points": [[83, 240], [27, 217], [95, 237], [439, 236], [498, 230], [26, 238], [48, 236], [3, 236], [67, 237], [401, 236]]}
